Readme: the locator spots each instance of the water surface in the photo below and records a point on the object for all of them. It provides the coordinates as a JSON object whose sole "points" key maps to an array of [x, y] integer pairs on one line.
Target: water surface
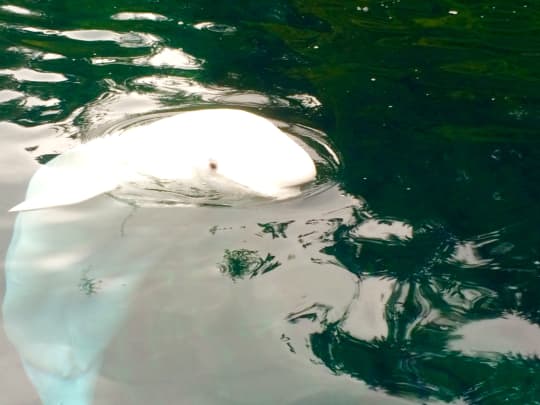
{"points": [[410, 273]]}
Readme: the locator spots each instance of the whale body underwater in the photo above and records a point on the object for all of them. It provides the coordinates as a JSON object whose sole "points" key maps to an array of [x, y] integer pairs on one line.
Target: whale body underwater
{"points": [[46, 309], [226, 146], [74, 272]]}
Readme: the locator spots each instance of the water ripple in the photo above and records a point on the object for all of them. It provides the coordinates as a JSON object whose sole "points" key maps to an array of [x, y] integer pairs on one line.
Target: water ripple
{"points": [[187, 87], [19, 10], [194, 91], [125, 40], [306, 100], [131, 39], [171, 58], [34, 54], [214, 27], [133, 16], [162, 57]]}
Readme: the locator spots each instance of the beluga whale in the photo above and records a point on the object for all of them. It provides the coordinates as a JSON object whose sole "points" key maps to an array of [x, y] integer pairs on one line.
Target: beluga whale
{"points": [[225, 147], [71, 270]]}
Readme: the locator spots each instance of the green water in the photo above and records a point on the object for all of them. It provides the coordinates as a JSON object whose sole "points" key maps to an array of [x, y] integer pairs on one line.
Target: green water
{"points": [[433, 109]]}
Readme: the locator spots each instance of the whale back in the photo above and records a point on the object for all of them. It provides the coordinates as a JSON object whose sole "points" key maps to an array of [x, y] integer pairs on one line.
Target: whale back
{"points": [[214, 145], [70, 178]]}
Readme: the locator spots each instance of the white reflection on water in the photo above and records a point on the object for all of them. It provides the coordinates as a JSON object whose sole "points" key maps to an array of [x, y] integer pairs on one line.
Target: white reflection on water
{"points": [[366, 320], [9, 95], [127, 16], [507, 335], [129, 39], [387, 230], [35, 54], [126, 40], [152, 93], [217, 94], [30, 75], [10, 8], [32, 101], [160, 57], [306, 100], [212, 26], [172, 58], [183, 85]]}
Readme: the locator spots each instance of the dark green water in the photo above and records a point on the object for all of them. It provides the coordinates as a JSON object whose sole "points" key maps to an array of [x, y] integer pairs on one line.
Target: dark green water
{"points": [[433, 107]]}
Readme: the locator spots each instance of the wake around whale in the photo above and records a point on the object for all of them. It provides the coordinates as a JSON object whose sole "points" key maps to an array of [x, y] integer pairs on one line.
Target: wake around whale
{"points": [[232, 148]]}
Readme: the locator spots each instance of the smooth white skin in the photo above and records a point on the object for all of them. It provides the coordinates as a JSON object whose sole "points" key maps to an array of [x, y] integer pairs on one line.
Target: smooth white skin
{"points": [[60, 331], [218, 144]]}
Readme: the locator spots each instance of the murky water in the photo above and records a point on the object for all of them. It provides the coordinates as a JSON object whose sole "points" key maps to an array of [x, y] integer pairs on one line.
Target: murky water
{"points": [[407, 273]]}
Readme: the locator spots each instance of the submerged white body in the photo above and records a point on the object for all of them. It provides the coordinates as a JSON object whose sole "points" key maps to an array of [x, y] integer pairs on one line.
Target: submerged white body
{"points": [[58, 325], [69, 281], [149, 264], [220, 145]]}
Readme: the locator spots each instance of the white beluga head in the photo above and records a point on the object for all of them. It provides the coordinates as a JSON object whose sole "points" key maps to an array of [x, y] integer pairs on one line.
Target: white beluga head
{"points": [[232, 148]]}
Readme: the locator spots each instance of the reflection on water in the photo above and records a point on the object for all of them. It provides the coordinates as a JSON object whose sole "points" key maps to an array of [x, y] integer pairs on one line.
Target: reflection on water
{"points": [[167, 57], [407, 274], [18, 10], [139, 16], [29, 75]]}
